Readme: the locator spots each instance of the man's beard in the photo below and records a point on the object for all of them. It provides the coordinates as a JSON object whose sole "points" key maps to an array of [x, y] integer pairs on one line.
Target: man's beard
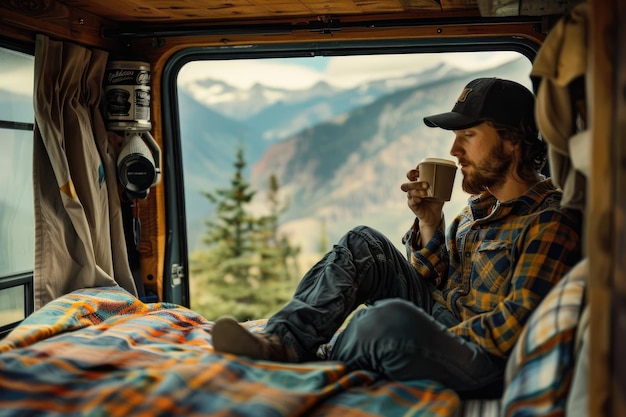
{"points": [[488, 173]]}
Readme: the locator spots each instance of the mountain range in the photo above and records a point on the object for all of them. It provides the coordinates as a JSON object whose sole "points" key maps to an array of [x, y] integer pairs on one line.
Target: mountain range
{"points": [[339, 155]]}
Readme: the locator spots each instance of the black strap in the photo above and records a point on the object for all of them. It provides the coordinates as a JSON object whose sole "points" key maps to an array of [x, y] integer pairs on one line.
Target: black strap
{"points": [[132, 232]]}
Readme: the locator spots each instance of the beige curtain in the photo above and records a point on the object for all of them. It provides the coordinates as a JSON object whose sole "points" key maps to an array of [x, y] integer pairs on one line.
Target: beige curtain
{"points": [[79, 237]]}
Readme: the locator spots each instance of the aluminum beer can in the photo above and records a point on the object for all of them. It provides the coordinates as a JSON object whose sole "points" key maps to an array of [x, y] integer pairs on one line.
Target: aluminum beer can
{"points": [[127, 95]]}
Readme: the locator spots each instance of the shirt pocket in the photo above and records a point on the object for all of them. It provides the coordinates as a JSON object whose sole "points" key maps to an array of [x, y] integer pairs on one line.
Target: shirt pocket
{"points": [[491, 270]]}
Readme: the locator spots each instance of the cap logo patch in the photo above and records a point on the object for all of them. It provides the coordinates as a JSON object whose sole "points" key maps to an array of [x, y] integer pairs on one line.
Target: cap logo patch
{"points": [[464, 95]]}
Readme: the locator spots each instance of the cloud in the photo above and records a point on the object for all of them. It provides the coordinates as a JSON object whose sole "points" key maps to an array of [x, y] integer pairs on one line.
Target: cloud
{"points": [[246, 73], [18, 72], [349, 71], [296, 73], [357, 69], [479, 60], [18, 82]]}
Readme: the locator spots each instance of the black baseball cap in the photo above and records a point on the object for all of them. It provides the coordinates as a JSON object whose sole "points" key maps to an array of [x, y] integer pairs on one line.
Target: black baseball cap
{"points": [[502, 101]]}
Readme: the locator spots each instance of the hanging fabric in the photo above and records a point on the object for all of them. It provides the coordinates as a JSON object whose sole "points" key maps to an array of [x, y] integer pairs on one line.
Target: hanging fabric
{"points": [[79, 235]]}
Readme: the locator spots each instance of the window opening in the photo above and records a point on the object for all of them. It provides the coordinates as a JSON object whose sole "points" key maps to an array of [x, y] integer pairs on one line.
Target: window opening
{"points": [[281, 156], [17, 237]]}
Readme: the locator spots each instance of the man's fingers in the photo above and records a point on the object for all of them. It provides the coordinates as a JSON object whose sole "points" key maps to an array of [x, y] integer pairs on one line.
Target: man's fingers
{"points": [[414, 185], [412, 175]]}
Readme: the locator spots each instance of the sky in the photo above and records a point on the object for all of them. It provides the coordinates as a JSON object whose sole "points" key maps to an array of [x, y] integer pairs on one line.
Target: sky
{"points": [[294, 73], [17, 72], [343, 72]]}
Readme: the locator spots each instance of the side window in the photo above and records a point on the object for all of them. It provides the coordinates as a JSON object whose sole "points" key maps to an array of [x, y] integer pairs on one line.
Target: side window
{"points": [[17, 233], [281, 156]]}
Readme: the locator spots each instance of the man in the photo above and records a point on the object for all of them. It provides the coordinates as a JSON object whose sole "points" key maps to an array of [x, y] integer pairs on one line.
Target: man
{"points": [[448, 313]]}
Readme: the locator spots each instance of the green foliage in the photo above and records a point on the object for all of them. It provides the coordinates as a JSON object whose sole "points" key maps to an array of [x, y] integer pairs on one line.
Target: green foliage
{"points": [[323, 244], [247, 270]]}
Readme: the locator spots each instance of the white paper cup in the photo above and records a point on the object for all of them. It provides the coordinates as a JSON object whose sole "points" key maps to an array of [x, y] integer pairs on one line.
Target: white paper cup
{"points": [[439, 173]]}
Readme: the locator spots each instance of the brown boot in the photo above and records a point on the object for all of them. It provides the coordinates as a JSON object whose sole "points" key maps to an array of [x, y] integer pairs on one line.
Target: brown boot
{"points": [[230, 337]]}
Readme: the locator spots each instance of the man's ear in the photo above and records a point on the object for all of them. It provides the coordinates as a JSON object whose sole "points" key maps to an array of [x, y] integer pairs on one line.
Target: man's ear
{"points": [[514, 148], [516, 151]]}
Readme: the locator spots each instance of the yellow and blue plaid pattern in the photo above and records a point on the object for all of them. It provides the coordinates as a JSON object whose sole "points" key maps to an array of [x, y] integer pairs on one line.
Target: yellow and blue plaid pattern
{"points": [[540, 370], [501, 259], [102, 352]]}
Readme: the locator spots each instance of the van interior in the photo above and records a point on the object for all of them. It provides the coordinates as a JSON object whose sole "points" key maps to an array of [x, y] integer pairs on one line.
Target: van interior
{"points": [[144, 141]]}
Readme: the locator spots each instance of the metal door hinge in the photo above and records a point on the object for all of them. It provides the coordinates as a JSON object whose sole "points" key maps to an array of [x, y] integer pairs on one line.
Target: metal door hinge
{"points": [[178, 272]]}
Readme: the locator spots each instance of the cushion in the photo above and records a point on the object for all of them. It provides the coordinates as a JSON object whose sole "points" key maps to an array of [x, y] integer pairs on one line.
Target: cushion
{"points": [[539, 372]]}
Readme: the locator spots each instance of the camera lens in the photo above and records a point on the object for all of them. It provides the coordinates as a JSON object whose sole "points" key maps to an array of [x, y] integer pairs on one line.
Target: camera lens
{"points": [[136, 172]]}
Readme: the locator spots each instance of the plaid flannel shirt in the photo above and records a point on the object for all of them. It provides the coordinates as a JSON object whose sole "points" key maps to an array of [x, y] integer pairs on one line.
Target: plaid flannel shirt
{"points": [[500, 261]]}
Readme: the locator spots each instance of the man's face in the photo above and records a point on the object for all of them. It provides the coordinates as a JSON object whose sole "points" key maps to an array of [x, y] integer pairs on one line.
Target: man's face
{"points": [[485, 159]]}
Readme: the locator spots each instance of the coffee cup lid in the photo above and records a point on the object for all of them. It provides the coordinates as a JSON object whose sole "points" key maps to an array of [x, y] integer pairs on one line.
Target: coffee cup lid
{"points": [[438, 161]]}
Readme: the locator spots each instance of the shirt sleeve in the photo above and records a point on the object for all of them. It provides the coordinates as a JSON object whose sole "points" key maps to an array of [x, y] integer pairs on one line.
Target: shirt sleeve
{"points": [[431, 260], [546, 251]]}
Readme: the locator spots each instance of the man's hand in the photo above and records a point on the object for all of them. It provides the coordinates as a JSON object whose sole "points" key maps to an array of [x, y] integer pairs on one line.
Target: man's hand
{"points": [[428, 211]]}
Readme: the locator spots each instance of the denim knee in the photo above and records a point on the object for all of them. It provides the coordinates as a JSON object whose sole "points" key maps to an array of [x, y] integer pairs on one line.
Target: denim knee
{"points": [[377, 333], [368, 232], [402, 341], [390, 318]]}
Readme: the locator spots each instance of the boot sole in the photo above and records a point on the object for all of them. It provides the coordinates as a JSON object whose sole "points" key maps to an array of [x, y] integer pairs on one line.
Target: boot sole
{"points": [[230, 337]]}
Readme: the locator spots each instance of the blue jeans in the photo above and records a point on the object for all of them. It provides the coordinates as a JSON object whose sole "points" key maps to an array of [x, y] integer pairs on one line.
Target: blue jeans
{"points": [[403, 332]]}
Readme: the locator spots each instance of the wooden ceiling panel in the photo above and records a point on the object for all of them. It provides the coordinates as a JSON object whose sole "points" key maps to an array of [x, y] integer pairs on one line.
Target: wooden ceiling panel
{"points": [[459, 4], [420, 5], [324, 8], [354, 6], [114, 10], [189, 11], [379, 6], [260, 8]]}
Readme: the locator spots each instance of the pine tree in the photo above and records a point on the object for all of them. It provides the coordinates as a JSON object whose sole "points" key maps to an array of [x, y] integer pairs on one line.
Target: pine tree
{"points": [[323, 244], [278, 257], [247, 269], [226, 270]]}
